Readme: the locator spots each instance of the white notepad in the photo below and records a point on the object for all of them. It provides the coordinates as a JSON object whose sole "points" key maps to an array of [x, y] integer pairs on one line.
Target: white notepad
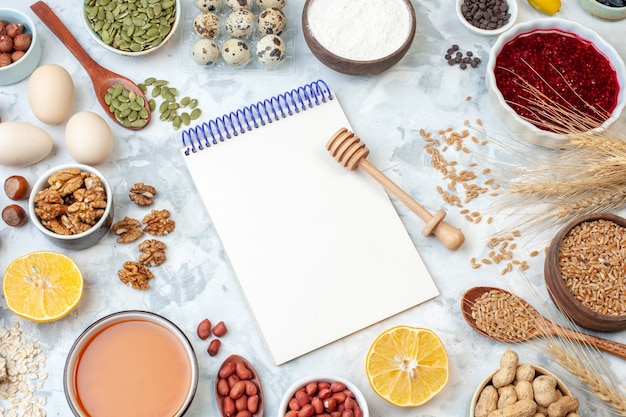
{"points": [[319, 251]]}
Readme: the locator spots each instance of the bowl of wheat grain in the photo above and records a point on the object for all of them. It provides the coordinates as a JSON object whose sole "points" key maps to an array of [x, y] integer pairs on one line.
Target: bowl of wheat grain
{"points": [[584, 271]]}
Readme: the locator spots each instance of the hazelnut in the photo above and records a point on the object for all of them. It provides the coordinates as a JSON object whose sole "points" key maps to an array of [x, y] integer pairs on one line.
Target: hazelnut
{"points": [[14, 215], [6, 44], [17, 55], [3, 27], [5, 59], [22, 42], [14, 29]]}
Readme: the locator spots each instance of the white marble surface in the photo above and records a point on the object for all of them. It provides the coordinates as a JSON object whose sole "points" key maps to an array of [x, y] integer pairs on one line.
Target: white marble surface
{"points": [[386, 110]]}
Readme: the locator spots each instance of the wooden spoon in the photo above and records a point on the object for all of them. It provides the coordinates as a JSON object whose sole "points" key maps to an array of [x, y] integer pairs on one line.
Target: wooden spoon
{"points": [[101, 77], [544, 327]]}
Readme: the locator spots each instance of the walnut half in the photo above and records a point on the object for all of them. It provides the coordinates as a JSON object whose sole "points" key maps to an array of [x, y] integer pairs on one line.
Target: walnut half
{"points": [[136, 275], [158, 223], [153, 252], [142, 194], [128, 230]]}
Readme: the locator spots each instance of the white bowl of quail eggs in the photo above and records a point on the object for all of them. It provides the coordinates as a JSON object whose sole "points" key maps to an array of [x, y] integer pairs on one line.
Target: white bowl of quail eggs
{"points": [[239, 33]]}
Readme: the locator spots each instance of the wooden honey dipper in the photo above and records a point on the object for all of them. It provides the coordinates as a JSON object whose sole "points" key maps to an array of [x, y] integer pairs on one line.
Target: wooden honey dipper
{"points": [[349, 151]]}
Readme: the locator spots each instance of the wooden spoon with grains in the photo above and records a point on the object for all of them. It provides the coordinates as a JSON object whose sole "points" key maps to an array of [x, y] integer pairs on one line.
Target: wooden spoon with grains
{"points": [[485, 310]]}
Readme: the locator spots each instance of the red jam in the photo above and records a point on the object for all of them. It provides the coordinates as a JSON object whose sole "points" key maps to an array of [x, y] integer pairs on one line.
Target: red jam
{"points": [[543, 70]]}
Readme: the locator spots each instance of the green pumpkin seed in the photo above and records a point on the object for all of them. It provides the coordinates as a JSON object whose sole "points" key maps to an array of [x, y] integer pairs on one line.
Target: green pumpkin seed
{"points": [[195, 114]]}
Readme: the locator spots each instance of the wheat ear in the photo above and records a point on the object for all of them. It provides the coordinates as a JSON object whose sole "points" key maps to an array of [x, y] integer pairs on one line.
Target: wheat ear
{"points": [[589, 377]]}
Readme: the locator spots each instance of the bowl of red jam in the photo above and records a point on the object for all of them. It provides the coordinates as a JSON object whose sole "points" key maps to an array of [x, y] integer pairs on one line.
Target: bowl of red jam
{"points": [[550, 79]]}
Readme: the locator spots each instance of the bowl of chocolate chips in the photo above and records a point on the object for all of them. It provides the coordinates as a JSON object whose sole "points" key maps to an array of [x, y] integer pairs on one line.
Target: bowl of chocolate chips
{"points": [[487, 17]]}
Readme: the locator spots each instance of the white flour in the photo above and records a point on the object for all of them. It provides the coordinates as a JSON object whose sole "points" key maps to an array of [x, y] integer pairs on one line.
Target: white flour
{"points": [[360, 30]]}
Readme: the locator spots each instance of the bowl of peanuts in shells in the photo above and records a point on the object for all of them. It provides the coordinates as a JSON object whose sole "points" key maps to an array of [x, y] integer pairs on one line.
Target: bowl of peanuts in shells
{"points": [[72, 205], [322, 395], [584, 271], [522, 389]]}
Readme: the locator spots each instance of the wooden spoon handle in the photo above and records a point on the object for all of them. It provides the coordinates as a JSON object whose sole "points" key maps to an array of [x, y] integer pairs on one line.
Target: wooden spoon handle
{"points": [[451, 237], [47, 16], [609, 346]]}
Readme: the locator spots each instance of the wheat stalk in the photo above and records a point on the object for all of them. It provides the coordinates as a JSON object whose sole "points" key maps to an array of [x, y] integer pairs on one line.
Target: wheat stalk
{"points": [[590, 377]]}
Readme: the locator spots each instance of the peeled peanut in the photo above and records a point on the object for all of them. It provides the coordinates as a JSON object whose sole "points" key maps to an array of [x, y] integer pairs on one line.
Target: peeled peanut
{"points": [[214, 347], [220, 329], [204, 329], [242, 371]]}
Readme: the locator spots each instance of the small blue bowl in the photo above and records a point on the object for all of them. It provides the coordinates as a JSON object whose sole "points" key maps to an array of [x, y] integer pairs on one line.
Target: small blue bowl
{"points": [[22, 68], [597, 9]]}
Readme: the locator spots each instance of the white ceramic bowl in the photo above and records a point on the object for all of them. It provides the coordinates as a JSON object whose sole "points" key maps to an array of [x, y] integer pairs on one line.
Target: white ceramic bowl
{"points": [[595, 8], [339, 60], [180, 345], [487, 381], [96, 37], [81, 240], [513, 10], [23, 67], [303, 382], [512, 120]]}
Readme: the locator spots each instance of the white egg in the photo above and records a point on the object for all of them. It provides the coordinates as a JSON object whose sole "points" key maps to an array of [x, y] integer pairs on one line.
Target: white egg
{"points": [[51, 93], [88, 138], [23, 144]]}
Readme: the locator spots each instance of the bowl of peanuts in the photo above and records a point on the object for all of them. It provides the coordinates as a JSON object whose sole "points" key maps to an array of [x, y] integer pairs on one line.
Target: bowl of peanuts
{"points": [[322, 395], [522, 389], [72, 205], [584, 273]]}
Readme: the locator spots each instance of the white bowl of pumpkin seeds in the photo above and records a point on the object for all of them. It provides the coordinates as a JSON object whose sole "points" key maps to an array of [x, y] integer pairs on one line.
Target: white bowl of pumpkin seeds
{"points": [[132, 27]]}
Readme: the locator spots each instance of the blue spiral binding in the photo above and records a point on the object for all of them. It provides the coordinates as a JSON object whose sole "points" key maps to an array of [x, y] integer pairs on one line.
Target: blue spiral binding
{"points": [[254, 116]]}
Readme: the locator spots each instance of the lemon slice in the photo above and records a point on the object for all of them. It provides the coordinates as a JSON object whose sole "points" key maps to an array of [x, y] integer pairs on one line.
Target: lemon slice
{"points": [[42, 286], [407, 366]]}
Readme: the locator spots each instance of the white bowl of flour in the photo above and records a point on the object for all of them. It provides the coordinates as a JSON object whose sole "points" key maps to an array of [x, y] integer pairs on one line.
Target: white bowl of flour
{"points": [[358, 37]]}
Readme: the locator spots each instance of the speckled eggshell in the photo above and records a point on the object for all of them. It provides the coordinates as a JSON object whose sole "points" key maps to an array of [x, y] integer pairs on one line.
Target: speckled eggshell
{"points": [[88, 138], [209, 5], [240, 4], [270, 50], [271, 4], [236, 52], [240, 23], [271, 22], [206, 25], [205, 52]]}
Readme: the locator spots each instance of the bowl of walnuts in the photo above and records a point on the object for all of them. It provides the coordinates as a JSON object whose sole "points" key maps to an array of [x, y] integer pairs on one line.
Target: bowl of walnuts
{"points": [[72, 205], [20, 49]]}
